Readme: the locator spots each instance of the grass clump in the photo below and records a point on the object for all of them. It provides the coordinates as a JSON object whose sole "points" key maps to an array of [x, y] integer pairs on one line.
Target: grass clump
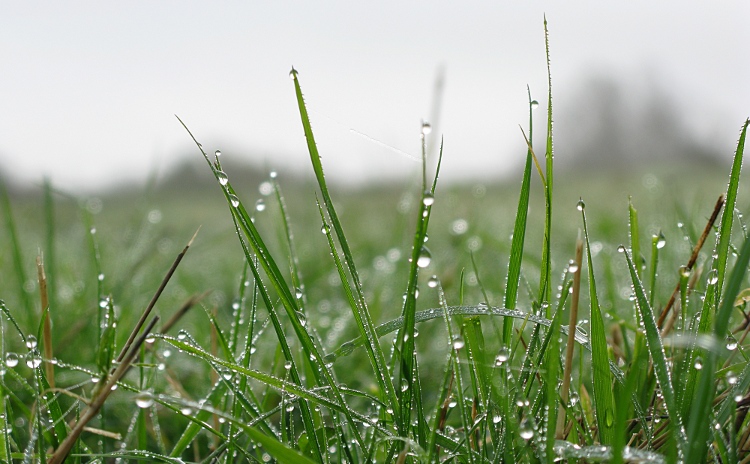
{"points": [[609, 357]]}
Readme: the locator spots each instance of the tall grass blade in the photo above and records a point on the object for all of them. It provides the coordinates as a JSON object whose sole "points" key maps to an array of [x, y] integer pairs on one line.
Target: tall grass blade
{"points": [[658, 357], [359, 310], [602, 378], [544, 283]]}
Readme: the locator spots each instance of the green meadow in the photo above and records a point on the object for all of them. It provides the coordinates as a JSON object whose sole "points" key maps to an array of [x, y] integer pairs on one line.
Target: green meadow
{"points": [[560, 315]]}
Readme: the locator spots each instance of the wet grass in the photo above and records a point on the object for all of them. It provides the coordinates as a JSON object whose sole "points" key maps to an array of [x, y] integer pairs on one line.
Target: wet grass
{"points": [[461, 323]]}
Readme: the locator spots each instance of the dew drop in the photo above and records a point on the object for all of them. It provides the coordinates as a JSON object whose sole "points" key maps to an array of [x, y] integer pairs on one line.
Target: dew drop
{"points": [[573, 400], [424, 258], [713, 277], [534, 104], [234, 200], [404, 387], [572, 267], [580, 206], [298, 293], [144, 399], [502, 356], [698, 364], [260, 205], [288, 365], [731, 344], [186, 410], [217, 153], [265, 188], [428, 199], [731, 378], [324, 229], [100, 277], [661, 241], [222, 177], [426, 128], [621, 249], [11, 359], [458, 343], [526, 428], [292, 74], [433, 282], [33, 360], [31, 342], [496, 419]]}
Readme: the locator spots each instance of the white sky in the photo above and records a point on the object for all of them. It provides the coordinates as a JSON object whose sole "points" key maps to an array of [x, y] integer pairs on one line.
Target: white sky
{"points": [[88, 89]]}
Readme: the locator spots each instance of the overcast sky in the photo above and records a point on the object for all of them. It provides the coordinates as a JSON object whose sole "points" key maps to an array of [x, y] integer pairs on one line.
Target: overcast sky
{"points": [[89, 90]]}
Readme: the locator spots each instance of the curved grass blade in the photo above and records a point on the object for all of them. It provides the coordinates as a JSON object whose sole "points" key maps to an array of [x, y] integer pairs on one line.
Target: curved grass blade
{"points": [[544, 282], [359, 309], [658, 357]]}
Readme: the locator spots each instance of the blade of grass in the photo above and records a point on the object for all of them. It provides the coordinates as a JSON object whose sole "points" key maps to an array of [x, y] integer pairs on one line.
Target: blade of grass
{"points": [[602, 378], [658, 357], [513, 277], [10, 227], [544, 285]]}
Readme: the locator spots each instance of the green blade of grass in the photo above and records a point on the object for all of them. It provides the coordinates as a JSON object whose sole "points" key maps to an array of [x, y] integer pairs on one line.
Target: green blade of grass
{"points": [[544, 282], [698, 428], [602, 378], [658, 357], [360, 311], [513, 278], [725, 228]]}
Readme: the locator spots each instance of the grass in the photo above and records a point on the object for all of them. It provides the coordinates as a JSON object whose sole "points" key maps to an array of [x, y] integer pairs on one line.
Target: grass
{"points": [[321, 330]]}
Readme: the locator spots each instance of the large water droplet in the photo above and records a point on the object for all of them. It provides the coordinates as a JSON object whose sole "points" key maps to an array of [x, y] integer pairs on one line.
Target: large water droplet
{"points": [[31, 342], [222, 177], [33, 359], [292, 74], [433, 282], [661, 241], [580, 206], [425, 258], [11, 359], [428, 199], [621, 249], [502, 356], [698, 364], [324, 229], [458, 343], [288, 365], [526, 428], [572, 267], [144, 399], [534, 104], [260, 205], [234, 200], [217, 153]]}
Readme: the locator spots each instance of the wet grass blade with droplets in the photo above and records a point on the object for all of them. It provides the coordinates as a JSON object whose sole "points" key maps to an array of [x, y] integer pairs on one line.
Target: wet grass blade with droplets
{"points": [[602, 378], [658, 357], [513, 278], [360, 310]]}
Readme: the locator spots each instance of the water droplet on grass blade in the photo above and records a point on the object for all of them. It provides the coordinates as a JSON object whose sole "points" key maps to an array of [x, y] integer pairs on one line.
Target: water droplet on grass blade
{"points": [[222, 177], [260, 205], [621, 249], [234, 200], [144, 399], [458, 343], [580, 206], [217, 153], [426, 128], [324, 229], [33, 360], [698, 364], [661, 241], [526, 429], [288, 365], [572, 267], [502, 356], [31, 342], [713, 277], [11, 359], [428, 199], [425, 258], [534, 104], [433, 282]]}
